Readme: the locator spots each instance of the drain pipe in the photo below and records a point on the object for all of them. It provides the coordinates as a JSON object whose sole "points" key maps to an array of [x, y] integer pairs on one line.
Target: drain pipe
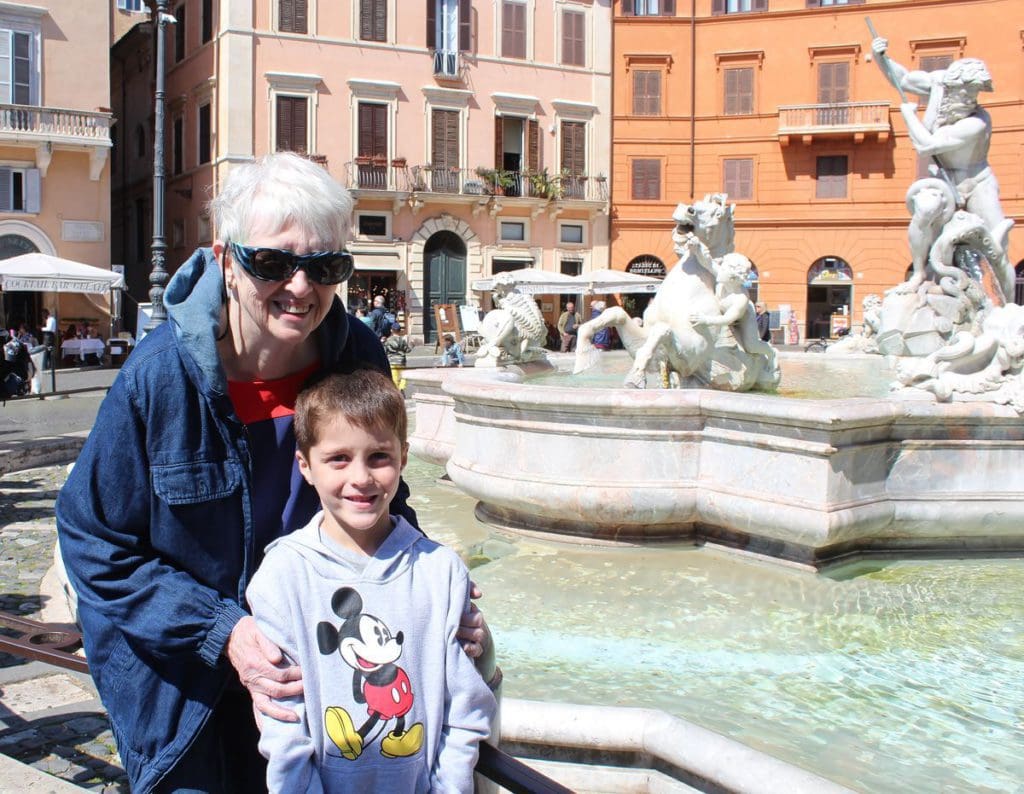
{"points": [[693, 94]]}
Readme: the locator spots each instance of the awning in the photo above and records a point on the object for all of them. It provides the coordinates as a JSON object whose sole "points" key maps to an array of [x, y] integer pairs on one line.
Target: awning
{"points": [[531, 281], [44, 273]]}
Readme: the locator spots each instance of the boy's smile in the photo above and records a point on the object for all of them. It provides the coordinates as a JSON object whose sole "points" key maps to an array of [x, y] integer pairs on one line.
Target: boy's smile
{"points": [[355, 472]]}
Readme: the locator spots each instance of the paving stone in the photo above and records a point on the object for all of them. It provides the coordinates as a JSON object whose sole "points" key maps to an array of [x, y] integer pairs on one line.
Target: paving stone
{"points": [[53, 765]]}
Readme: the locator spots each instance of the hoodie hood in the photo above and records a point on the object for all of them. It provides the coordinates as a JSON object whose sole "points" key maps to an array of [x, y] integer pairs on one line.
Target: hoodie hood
{"points": [[389, 560], [195, 300]]}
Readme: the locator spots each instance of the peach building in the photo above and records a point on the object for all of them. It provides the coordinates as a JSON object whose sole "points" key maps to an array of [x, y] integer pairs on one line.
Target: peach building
{"points": [[54, 146], [474, 135], [778, 103]]}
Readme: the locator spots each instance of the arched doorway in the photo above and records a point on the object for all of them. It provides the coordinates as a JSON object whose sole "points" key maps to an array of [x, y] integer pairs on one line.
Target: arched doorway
{"points": [[1018, 287], [644, 265], [19, 307], [829, 292], [444, 276]]}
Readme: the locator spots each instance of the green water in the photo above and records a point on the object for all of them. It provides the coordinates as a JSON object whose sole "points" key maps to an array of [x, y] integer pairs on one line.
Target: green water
{"points": [[893, 677], [804, 375]]}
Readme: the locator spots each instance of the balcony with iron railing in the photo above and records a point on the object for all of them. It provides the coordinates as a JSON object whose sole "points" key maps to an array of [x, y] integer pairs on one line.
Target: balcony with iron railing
{"points": [[447, 65], [379, 175], [834, 119]]}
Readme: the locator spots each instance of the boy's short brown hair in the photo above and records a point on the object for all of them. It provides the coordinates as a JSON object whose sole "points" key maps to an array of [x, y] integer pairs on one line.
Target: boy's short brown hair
{"points": [[366, 398]]}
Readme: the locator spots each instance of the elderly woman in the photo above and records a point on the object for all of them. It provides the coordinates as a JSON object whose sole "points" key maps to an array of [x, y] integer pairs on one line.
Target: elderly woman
{"points": [[189, 473]]}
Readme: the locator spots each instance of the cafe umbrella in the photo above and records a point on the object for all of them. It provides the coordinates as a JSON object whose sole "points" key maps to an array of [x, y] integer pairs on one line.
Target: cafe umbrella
{"points": [[44, 273]]}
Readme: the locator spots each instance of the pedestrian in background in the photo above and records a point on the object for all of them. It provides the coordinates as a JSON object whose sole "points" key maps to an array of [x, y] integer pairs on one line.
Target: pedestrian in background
{"points": [[568, 323]]}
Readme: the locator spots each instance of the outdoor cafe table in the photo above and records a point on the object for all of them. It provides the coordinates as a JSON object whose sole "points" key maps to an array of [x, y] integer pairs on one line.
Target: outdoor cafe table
{"points": [[83, 348]]}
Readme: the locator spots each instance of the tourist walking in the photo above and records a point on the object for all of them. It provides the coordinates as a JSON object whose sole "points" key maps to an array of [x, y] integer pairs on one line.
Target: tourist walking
{"points": [[763, 321], [568, 324]]}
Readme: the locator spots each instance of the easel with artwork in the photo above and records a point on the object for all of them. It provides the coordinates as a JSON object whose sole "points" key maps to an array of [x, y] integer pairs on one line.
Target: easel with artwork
{"points": [[446, 321]]}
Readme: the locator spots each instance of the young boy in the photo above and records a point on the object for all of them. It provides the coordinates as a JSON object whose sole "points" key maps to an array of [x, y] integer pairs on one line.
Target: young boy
{"points": [[368, 608], [397, 348]]}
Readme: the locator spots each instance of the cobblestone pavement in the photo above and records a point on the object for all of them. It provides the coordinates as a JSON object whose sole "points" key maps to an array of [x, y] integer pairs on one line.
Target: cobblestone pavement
{"points": [[50, 719]]}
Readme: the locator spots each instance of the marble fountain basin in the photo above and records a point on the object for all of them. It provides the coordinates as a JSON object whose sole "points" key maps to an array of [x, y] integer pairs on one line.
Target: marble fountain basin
{"points": [[809, 481]]}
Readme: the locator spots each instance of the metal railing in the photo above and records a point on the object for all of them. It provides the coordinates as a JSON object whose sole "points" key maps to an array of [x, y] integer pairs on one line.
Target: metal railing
{"points": [[59, 646], [370, 175], [47, 122], [824, 116], [447, 63]]}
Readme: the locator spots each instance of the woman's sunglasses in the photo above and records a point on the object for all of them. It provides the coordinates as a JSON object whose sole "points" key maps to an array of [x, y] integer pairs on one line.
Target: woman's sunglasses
{"points": [[274, 264]]}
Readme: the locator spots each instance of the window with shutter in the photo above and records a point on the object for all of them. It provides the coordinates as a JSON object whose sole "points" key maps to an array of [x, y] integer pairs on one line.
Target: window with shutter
{"points": [[649, 8], [513, 29], [444, 150], [19, 190], [738, 178], [179, 33], [574, 159], [178, 145], [831, 176], [737, 6], [207, 24], [204, 134], [534, 144], [739, 91], [373, 130], [292, 124], [646, 179], [646, 92], [573, 38], [292, 16], [373, 20], [465, 25], [833, 90]]}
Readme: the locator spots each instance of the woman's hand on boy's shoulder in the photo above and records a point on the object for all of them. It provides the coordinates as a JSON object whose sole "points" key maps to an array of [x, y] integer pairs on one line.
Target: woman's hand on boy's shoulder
{"points": [[262, 670]]}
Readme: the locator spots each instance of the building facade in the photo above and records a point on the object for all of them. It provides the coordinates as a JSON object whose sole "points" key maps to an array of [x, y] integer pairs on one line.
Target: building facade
{"points": [[475, 136], [778, 104], [54, 147]]}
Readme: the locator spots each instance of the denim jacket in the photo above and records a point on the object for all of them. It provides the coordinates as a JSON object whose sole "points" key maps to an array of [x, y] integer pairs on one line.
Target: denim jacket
{"points": [[155, 523]]}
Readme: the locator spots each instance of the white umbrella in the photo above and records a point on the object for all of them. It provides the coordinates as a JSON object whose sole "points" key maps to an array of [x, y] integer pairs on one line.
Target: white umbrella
{"points": [[607, 281], [44, 273], [531, 281]]}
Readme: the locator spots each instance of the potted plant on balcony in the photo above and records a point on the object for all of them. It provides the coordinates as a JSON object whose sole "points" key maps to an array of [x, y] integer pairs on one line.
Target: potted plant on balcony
{"points": [[398, 162], [364, 159], [494, 182], [544, 186]]}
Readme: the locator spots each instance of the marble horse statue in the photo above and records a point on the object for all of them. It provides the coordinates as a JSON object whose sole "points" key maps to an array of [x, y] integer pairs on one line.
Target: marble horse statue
{"points": [[697, 330]]}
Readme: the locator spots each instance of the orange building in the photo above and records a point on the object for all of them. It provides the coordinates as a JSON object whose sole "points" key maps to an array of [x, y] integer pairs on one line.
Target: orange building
{"points": [[778, 103]]}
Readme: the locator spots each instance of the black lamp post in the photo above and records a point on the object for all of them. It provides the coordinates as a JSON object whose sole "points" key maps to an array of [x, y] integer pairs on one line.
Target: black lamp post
{"points": [[158, 275]]}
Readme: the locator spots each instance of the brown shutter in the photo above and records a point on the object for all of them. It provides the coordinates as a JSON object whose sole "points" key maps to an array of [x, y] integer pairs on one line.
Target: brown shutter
{"points": [[813, 3], [380, 20], [574, 147], [573, 38], [831, 176], [739, 91], [432, 24], [627, 8], [717, 7], [833, 82], [668, 8], [738, 178], [444, 144], [499, 143], [373, 130], [365, 23], [646, 178], [300, 17], [513, 30], [759, 5], [465, 25], [533, 144], [291, 124]]}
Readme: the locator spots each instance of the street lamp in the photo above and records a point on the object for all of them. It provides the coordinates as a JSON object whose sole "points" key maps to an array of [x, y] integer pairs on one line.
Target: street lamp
{"points": [[158, 275]]}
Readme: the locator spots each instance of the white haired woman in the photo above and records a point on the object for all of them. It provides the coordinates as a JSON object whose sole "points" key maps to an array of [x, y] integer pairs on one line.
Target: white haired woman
{"points": [[189, 473]]}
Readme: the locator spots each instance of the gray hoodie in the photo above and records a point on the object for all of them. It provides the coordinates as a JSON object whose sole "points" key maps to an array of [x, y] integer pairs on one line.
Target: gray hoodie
{"points": [[391, 702]]}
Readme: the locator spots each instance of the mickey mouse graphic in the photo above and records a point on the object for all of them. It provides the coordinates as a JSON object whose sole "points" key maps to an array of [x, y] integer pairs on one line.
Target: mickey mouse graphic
{"points": [[367, 645]]}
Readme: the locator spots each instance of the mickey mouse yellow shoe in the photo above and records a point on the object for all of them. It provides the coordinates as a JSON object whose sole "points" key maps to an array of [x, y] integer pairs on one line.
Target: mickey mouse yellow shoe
{"points": [[343, 732], [395, 746]]}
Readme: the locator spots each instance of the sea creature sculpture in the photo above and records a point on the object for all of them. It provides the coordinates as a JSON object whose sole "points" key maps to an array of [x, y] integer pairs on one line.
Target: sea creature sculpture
{"points": [[683, 337], [514, 332]]}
